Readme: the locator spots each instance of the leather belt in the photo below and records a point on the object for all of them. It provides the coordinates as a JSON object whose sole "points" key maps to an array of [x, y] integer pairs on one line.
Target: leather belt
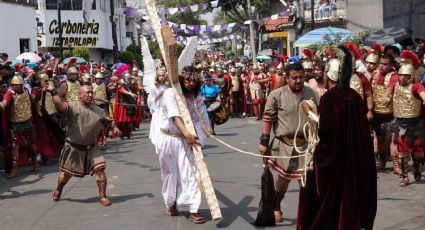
{"points": [[81, 147], [289, 140]]}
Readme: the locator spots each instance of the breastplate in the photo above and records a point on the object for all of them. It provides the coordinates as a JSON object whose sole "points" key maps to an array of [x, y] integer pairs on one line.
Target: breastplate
{"points": [[21, 107], [73, 90], [404, 103], [235, 84], [378, 94], [357, 85], [99, 91]]}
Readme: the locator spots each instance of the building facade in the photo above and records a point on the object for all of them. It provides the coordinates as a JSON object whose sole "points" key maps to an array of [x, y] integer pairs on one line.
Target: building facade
{"points": [[18, 27], [367, 14], [96, 35]]}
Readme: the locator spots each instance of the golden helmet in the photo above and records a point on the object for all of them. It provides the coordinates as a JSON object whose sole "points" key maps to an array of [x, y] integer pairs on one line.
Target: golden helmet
{"points": [[127, 75], [407, 68], [334, 70], [72, 70], [99, 75], [135, 69], [373, 58], [233, 70], [307, 64], [17, 79], [280, 66], [255, 67]]}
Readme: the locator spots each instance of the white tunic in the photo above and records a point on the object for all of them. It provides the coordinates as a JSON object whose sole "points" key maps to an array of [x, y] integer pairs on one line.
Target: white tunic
{"points": [[178, 167], [154, 107]]}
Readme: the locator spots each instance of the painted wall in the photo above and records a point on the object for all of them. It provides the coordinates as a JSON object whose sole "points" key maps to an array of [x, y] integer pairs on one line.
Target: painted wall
{"points": [[18, 22], [364, 14]]}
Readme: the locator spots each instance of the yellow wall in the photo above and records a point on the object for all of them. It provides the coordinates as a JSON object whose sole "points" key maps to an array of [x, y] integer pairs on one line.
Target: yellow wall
{"points": [[285, 36]]}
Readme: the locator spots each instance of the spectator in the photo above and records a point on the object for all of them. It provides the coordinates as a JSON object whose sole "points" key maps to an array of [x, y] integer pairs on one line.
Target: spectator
{"points": [[420, 49], [324, 9], [4, 58]]}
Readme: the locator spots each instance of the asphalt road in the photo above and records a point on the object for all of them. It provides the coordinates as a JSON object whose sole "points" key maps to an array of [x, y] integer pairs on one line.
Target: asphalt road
{"points": [[135, 191]]}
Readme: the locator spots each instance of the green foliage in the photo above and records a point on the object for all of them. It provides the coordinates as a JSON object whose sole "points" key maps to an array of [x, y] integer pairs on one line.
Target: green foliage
{"points": [[180, 49], [126, 57], [67, 53], [137, 54], [239, 52], [359, 37], [82, 52], [154, 49]]}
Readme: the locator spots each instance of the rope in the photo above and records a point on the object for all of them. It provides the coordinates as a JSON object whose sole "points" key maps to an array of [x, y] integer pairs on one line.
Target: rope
{"points": [[311, 137], [208, 133]]}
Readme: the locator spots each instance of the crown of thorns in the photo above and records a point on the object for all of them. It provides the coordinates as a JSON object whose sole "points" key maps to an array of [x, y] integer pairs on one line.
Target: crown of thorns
{"points": [[190, 73]]}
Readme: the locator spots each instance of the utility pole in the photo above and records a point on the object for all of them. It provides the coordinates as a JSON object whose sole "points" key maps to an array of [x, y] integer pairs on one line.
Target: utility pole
{"points": [[312, 14], [114, 32], [251, 33], [59, 6]]}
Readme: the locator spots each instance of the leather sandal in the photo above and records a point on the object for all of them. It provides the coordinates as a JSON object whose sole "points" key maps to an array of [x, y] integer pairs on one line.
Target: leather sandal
{"points": [[404, 182], [196, 218], [105, 201], [172, 211]]}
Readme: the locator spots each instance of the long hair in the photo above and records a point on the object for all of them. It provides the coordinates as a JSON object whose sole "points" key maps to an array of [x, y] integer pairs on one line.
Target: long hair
{"points": [[346, 69]]}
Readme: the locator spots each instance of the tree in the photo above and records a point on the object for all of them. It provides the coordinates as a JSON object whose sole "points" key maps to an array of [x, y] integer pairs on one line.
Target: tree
{"points": [[126, 57], [82, 52]]}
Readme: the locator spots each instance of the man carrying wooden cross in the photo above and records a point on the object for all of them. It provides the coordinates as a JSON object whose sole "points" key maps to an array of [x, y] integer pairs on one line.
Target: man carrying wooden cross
{"points": [[179, 171]]}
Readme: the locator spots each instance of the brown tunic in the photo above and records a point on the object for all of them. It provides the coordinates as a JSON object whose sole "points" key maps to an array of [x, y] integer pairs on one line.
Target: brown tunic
{"points": [[80, 155], [282, 109]]}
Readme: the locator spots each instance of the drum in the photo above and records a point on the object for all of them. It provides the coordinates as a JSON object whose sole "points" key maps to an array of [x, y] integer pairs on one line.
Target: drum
{"points": [[218, 114]]}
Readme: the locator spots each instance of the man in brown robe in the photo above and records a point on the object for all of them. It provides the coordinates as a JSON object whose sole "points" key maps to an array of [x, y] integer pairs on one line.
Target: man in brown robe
{"points": [[81, 155], [281, 114]]}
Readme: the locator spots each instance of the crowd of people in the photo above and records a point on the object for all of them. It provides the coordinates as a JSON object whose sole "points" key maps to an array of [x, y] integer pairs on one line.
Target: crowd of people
{"points": [[366, 101]]}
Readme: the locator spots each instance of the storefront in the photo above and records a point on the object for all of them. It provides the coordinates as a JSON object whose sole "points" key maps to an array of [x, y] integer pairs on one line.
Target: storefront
{"points": [[95, 35]]}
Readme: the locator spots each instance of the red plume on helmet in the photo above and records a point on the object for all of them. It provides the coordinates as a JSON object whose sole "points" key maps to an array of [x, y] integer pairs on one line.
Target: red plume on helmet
{"points": [[410, 56], [98, 66], [353, 48], [71, 63], [82, 69], [330, 53], [376, 48], [17, 67], [308, 54]]}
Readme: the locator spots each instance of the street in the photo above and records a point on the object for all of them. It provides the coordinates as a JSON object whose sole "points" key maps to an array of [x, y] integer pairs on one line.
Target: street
{"points": [[134, 187]]}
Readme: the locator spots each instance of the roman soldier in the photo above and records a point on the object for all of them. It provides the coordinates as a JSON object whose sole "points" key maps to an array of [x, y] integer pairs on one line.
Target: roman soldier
{"points": [[408, 96], [18, 129], [307, 63], [256, 86], [277, 79], [125, 108], [112, 93], [237, 90], [99, 97], [224, 83], [48, 143], [372, 60], [383, 114], [359, 82], [70, 87]]}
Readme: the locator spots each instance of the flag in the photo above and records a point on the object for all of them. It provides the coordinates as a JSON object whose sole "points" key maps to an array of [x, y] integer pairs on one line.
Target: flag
{"points": [[87, 7]]}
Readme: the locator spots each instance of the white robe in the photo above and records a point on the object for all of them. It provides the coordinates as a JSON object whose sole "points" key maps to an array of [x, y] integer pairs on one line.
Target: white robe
{"points": [[154, 107], [178, 167]]}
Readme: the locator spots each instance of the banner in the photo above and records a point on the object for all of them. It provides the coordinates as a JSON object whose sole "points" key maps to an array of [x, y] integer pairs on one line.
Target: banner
{"points": [[162, 11]]}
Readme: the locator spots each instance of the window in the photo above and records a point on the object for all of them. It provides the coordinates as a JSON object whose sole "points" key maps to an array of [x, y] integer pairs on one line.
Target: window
{"points": [[24, 45], [67, 4]]}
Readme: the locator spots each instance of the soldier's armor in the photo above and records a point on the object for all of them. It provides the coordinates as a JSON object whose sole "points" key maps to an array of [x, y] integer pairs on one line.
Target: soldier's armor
{"points": [[378, 94], [235, 83], [48, 104], [404, 103], [357, 85], [73, 89], [99, 91], [21, 107]]}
